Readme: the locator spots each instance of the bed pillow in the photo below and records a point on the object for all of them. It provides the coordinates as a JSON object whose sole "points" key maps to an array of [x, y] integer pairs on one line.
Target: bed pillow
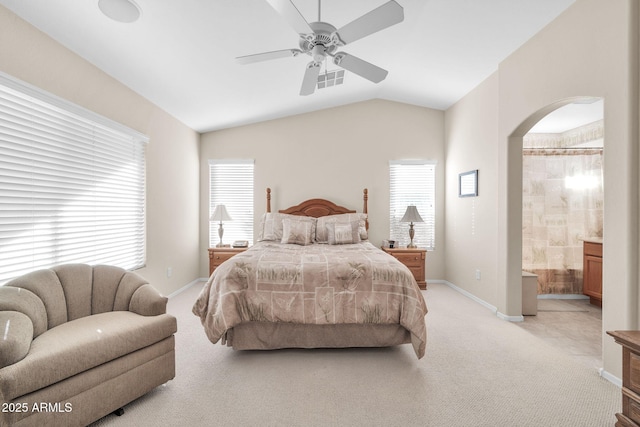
{"points": [[321, 230], [297, 232], [262, 226], [343, 233], [272, 223]]}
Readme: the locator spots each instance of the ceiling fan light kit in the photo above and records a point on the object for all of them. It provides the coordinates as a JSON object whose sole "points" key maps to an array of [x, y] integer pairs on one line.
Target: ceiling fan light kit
{"points": [[330, 78], [321, 39]]}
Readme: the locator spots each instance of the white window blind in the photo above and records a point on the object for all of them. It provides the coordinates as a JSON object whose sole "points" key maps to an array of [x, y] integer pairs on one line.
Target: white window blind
{"points": [[72, 185], [412, 183], [231, 184]]}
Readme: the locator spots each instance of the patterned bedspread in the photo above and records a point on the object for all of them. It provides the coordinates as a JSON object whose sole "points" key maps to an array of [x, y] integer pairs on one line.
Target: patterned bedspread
{"points": [[314, 284]]}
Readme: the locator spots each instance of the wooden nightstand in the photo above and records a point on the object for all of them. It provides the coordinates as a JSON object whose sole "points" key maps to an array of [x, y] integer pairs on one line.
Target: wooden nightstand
{"points": [[630, 342], [414, 259], [219, 255]]}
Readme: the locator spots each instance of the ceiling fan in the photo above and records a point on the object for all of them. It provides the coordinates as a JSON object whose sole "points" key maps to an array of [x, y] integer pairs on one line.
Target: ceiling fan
{"points": [[321, 39]]}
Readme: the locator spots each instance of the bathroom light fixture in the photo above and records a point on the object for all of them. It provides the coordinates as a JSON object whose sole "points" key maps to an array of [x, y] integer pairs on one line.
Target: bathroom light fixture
{"points": [[125, 11]]}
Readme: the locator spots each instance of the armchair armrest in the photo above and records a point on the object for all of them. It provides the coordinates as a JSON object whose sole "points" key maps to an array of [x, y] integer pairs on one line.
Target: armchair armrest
{"points": [[16, 334], [147, 301]]}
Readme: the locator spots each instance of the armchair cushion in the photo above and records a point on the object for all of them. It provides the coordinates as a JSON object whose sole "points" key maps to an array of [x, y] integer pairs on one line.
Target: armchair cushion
{"points": [[16, 332]]}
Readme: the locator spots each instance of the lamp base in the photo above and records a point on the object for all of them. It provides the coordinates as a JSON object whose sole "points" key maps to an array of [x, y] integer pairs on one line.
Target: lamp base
{"points": [[220, 234], [411, 245]]}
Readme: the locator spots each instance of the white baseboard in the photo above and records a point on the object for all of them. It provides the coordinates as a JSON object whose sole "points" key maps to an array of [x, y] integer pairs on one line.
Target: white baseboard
{"points": [[467, 294], [610, 377], [480, 301], [510, 318], [185, 287]]}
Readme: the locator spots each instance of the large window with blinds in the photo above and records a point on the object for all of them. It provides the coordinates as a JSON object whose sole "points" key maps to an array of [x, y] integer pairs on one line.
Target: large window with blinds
{"points": [[231, 185], [412, 182], [72, 185]]}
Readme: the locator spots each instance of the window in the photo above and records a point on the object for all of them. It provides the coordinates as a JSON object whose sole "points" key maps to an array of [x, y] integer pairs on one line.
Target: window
{"points": [[72, 185], [231, 184], [412, 183]]}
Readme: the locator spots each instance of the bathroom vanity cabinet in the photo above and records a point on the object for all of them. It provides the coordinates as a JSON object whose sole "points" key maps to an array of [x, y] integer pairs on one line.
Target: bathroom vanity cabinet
{"points": [[592, 271]]}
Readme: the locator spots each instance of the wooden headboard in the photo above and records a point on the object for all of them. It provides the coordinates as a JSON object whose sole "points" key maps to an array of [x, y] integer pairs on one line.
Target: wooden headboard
{"points": [[318, 207]]}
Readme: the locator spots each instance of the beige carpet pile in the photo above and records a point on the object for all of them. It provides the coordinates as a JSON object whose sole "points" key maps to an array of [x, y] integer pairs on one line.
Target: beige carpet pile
{"points": [[478, 371]]}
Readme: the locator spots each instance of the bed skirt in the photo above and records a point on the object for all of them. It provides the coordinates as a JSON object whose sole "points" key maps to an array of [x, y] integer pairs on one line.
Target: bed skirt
{"points": [[271, 336]]}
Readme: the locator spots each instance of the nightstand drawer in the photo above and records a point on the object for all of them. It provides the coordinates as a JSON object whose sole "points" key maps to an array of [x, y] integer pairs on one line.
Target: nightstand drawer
{"points": [[219, 255], [634, 409], [634, 373], [411, 260]]}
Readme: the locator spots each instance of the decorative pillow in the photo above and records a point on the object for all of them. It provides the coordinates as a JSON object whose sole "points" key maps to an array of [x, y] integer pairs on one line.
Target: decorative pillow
{"points": [[261, 227], [296, 232], [321, 232], [343, 233], [272, 223]]}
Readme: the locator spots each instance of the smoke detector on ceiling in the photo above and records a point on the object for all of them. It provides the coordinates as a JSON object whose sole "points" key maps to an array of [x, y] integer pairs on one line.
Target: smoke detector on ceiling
{"points": [[125, 11]]}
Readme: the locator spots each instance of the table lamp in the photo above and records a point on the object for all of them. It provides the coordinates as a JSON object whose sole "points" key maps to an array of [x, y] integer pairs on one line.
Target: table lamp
{"points": [[411, 216], [220, 214]]}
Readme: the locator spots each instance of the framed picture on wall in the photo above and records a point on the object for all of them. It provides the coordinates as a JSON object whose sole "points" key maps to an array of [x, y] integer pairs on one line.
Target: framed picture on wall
{"points": [[468, 184]]}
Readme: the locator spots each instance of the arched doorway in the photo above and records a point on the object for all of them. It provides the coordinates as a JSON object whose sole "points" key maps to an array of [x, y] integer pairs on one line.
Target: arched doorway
{"points": [[563, 205]]}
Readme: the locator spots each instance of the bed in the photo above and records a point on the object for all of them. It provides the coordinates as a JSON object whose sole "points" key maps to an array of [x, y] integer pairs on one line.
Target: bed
{"points": [[313, 280]]}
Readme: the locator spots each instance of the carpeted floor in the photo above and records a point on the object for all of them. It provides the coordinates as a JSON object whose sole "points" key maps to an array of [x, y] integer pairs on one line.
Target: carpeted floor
{"points": [[478, 371]]}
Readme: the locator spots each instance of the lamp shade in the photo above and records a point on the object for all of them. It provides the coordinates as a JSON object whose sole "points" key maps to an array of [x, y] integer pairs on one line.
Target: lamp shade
{"points": [[411, 215], [220, 214]]}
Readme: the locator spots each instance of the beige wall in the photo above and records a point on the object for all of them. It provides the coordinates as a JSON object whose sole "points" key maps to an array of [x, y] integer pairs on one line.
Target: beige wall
{"points": [[172, 153], [590, 50], [471, 222], [333, 154]]}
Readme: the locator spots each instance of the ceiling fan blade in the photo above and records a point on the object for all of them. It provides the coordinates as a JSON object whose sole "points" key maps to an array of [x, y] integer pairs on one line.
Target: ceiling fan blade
{"points": [[292, 15], [360, 67], [266, 56], [378, 19], [310, 78]]}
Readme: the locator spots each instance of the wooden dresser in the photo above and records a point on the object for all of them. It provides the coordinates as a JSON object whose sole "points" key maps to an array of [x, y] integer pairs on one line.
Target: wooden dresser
{"points": [[630, 342], [592, 273], [219, 255], [414, 259]]}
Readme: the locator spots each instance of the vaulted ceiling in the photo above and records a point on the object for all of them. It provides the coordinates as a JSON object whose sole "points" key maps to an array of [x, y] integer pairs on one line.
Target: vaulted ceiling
{"points": [[181, 54]]}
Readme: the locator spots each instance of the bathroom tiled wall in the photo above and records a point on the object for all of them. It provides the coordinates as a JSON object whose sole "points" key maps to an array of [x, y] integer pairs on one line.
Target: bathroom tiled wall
{"points": [[556, 217]]}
